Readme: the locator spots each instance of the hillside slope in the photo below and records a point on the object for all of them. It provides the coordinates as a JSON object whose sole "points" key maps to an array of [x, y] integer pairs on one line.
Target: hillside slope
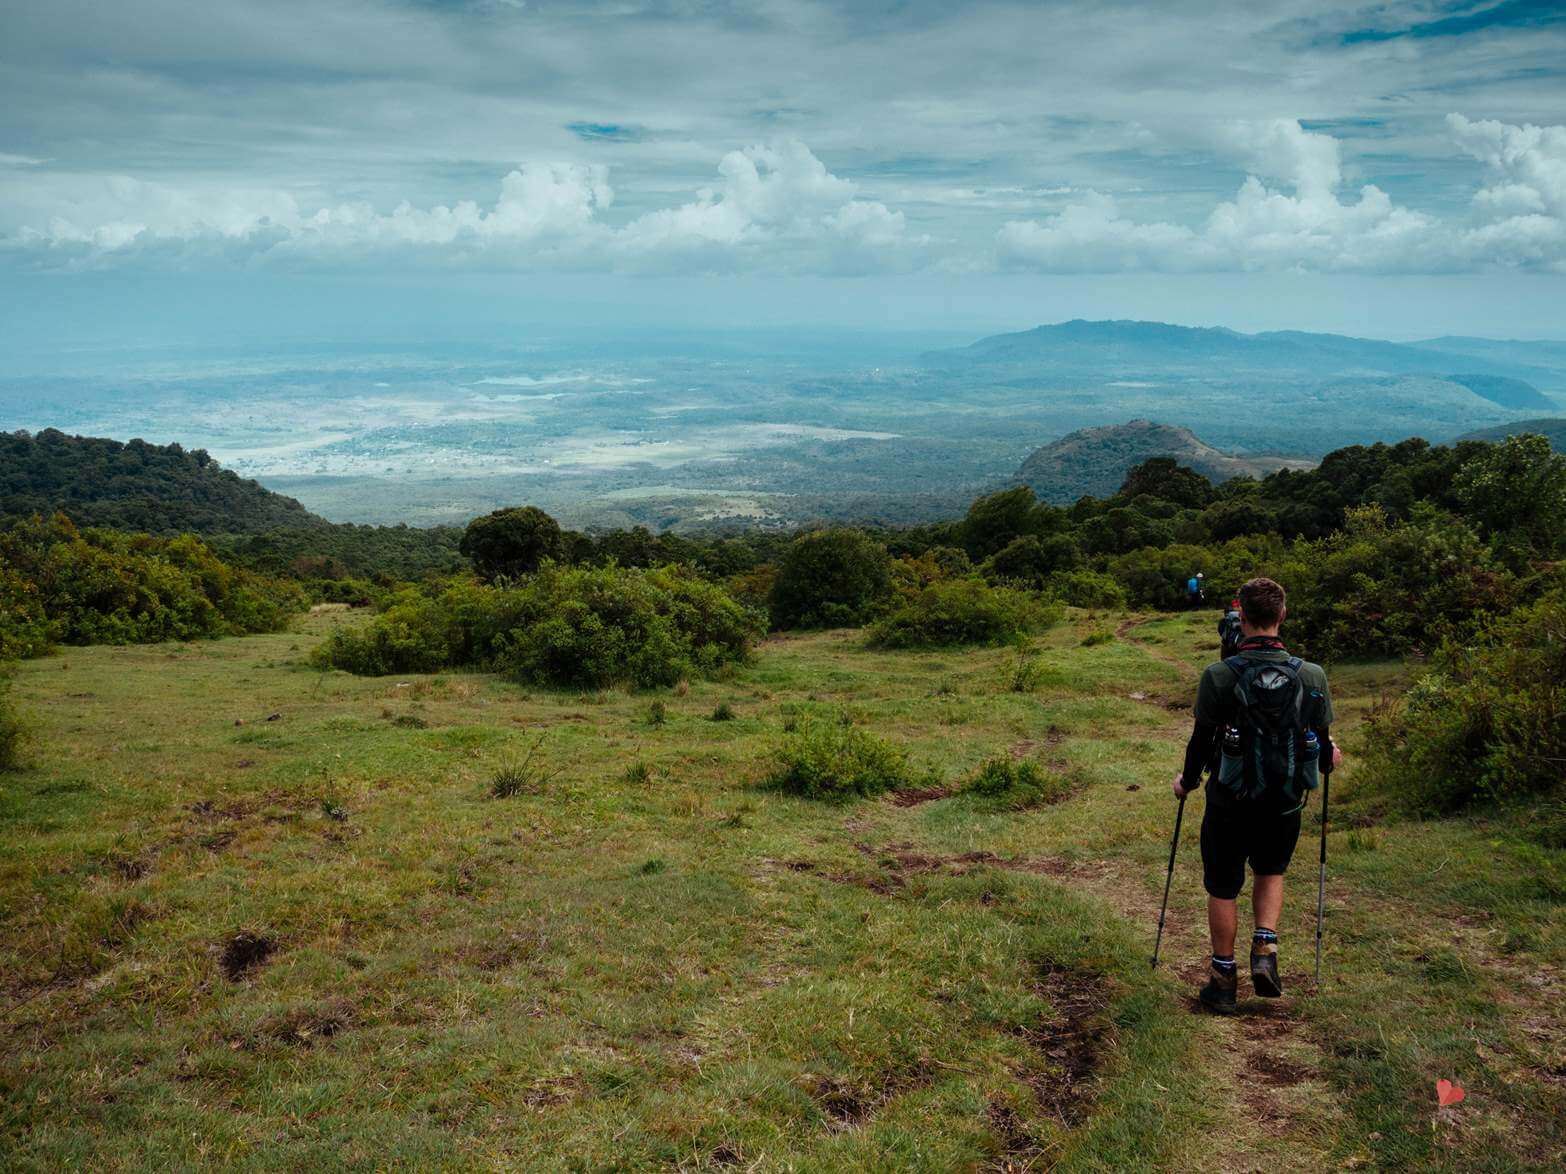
{"points": [[1552, 428], [133, 485], [1096, 460], [354, 955], [167, 490]]}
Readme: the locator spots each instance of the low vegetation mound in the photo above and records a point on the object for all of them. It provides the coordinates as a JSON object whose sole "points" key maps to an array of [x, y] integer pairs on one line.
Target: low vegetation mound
{"points": [[571, 626], [61, 585], [1014, 784], [963, 611], [824, 757]]}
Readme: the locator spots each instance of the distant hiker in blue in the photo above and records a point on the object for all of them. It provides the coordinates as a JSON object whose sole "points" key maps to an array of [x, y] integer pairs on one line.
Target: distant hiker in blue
{"points": [[1269, 715]]}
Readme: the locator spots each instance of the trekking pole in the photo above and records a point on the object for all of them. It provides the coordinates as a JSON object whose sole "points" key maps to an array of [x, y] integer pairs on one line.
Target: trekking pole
{"points": [[1174, 841], [1321, 882]]}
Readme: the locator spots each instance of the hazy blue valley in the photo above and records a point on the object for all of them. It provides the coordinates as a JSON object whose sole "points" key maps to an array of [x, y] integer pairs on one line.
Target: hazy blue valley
{"points": [[702, 430]]}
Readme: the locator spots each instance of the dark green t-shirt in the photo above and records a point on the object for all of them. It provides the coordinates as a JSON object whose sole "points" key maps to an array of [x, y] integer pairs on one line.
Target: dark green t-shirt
{"points": [[1215, 693], [1215, 704]]}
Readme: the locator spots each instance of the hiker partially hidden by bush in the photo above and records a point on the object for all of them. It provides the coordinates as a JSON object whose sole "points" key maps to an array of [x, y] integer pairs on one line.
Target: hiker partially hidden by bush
{"points": [[963, 611], [830, 579], [580, 626], [1487, 723]]}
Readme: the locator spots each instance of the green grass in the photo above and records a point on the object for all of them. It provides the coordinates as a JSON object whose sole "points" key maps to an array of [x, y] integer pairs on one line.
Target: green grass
{"points": [[643, 957]]}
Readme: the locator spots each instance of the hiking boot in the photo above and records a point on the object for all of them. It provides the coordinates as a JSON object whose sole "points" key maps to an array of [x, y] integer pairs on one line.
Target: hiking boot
{"points": [[1218, 995], [1264, 969]]}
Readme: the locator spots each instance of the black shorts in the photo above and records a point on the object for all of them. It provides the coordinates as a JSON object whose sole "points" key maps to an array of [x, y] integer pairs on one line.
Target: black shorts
{"points": [[1234, 834]]}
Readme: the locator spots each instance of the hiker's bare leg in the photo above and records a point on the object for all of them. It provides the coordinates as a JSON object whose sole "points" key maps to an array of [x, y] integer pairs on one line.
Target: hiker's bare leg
{"points": [[1221, 918], [1266, 901]]}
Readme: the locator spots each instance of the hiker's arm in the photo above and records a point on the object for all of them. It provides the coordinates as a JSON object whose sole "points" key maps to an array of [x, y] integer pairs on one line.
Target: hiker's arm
{"points": [[1330, 754], [1198, 753]]}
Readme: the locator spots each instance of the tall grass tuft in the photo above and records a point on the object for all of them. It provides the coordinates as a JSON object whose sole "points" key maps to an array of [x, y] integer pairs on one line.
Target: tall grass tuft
{"points": [[825, 759], [524, 776]]}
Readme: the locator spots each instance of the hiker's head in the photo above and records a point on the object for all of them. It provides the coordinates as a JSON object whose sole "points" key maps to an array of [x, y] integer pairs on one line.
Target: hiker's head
{"points": [[1263, 605]]}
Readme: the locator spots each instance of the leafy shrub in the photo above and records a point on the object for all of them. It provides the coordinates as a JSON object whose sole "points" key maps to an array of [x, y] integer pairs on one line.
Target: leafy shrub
{"points": [[1384, 588], [1031, 559], [1013, 784], [578, 626], [611, 625], [830, 578], [826, 759], [963, 611], [1084, 588], [61, 585], [1024, 671], [1155, 576], [1487, 723]]}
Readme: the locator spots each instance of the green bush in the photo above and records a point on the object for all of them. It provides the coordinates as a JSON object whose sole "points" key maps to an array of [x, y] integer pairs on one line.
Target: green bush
{"points": [[1487, 723], [589, 627], [830, 578], [1084, 588], [963, 611], [823, 758], [1014, 784], [1383, 588], [61, 585]]}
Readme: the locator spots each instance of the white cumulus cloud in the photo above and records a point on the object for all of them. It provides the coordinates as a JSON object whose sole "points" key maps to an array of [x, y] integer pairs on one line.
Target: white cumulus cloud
{"points": [[774, 205]]}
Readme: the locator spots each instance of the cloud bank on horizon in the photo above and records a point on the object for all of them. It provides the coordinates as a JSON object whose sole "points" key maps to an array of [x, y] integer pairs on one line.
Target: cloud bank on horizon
{"points": [[784, 136]]}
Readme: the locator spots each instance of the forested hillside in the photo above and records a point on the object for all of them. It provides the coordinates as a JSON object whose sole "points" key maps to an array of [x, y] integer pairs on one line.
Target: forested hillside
{"points": [[133, 485], [1094, 461], [165, 490]]}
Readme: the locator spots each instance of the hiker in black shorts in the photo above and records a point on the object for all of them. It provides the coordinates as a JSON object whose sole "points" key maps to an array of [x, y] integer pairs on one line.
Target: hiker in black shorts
{"points": [[1268, 714]]}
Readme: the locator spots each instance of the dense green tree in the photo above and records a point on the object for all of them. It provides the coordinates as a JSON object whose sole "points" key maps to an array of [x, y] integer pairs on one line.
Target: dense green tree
{"points": [[1517, 488], [513, 541], [993, 521], [1167, 479], [828, 578], [1032, 559]]}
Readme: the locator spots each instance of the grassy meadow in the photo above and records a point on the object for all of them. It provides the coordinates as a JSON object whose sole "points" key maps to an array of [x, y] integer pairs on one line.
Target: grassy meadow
{"points": [[256, 914]]}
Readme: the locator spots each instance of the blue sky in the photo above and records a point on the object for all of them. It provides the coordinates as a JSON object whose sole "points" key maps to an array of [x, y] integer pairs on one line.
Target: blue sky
{"points": [[176, 171]]}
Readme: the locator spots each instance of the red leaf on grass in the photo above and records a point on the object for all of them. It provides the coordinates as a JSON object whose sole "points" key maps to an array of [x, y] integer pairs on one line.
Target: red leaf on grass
{"points": [[1448, 1093]]}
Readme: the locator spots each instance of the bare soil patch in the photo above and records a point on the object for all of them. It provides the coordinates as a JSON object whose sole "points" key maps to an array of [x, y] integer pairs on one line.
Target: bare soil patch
{"points": [[243, 952], [1072, 1041]]}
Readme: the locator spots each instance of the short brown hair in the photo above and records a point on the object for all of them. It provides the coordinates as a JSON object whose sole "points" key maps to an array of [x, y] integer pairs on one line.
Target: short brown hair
{"points": [[1262, 601]]}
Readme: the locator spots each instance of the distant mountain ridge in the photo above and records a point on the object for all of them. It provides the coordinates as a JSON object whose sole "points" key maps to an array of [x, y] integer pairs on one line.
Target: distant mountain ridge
{"points": [[1552, 429], [1161, 348], [1095, 461]]}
